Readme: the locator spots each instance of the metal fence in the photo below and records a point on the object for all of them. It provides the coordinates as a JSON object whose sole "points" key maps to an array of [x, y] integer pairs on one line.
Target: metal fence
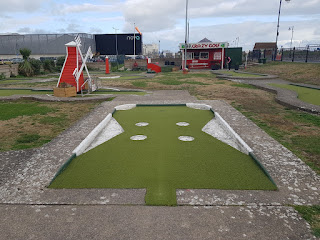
{"points": [[310, 53], [43, 44], [306, 54]]}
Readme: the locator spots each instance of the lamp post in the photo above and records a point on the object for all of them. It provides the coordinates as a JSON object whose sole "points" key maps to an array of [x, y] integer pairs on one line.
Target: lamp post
{"points": [[186, 38], [276, 49], [115, 29], [291, 29]]}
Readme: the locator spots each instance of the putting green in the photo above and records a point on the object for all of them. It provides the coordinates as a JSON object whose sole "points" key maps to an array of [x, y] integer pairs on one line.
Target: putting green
{"points": [[305, 94], [162, 163], [9, 92]]}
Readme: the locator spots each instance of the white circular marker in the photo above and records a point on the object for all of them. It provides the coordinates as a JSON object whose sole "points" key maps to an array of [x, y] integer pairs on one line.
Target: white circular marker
{"points": [[182, 124], [138, 137], [142, 124], [186, 138]]}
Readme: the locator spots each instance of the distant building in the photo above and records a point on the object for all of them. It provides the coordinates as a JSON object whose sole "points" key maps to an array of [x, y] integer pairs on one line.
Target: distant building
{"points": [[264, 46], [264, 50], [151, 50]]}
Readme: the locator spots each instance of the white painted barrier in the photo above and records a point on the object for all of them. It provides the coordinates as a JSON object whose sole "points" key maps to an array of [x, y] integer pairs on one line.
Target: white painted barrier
{"points": [[92, 135], [227, 127]]}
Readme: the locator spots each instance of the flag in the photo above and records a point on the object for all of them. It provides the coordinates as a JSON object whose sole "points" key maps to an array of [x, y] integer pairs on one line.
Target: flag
{"points": [[138, 30]]}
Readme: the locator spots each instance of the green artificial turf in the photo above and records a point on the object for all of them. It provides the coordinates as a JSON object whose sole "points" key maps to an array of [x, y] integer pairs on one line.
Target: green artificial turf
{"points": [[162, 163], [305, 94], [9, 92]]}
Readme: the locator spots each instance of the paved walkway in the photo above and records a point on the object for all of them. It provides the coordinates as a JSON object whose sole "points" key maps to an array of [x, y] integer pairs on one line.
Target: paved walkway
{"points": [[31, 211]]}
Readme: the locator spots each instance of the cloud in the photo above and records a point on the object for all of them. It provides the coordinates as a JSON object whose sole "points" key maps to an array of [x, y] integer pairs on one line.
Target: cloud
{"points": [[63, 9], [20, 5], [71, 28]]}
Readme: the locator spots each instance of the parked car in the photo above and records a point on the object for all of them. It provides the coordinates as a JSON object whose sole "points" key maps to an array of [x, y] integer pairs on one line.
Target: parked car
{"points": [[16, 60]]}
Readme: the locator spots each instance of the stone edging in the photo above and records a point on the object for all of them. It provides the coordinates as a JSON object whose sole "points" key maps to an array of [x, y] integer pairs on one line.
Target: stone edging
{"points": [[259, 76], [288, 98]]}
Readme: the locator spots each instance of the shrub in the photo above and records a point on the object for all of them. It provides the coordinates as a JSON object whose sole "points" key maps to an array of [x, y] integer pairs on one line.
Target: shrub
{"points": [[48, 65], [59, 63], [25, 52], [25, 69], [36, 65]]}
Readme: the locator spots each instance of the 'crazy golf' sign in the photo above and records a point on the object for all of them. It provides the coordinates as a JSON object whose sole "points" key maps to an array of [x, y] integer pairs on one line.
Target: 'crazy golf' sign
{"points": [[208, 45]]}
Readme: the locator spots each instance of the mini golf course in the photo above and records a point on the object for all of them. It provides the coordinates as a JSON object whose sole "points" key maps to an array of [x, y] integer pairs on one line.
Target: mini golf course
{"points": [[170, 152], [305, 94]]}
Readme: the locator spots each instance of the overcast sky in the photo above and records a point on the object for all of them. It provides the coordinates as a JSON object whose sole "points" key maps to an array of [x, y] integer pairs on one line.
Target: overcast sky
{"points": [[249, 20]]}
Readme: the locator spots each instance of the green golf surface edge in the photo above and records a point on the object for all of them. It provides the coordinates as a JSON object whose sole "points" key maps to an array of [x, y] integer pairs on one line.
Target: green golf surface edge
{"points": [[162, 163], [305, 94]]}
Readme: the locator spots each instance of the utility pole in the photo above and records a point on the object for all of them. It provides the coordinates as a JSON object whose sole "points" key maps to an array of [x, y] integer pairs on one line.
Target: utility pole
{"points": [[186, 38]]}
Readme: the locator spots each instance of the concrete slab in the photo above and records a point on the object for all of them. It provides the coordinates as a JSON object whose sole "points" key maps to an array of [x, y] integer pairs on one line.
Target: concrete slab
{"points": [[144, 223]]}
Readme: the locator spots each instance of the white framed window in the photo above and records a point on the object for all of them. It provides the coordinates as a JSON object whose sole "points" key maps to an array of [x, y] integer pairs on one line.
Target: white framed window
{"points": [[196, 55], [204, 55], [190, 55]]}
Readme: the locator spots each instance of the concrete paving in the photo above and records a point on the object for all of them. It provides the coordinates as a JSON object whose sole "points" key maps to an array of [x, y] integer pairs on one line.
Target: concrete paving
{"points": [[31, 211]]}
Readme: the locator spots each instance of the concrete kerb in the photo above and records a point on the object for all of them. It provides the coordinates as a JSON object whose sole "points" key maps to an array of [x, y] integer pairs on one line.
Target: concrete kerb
{"points": [[288, 98], [229, 76]]}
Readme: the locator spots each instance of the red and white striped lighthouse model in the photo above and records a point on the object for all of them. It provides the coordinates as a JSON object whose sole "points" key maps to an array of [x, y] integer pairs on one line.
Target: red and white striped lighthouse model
{"points": [[72, 70]]}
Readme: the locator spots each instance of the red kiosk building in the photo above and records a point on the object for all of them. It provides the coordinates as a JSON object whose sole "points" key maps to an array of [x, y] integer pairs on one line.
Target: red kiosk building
{"points": [[204, 55]]}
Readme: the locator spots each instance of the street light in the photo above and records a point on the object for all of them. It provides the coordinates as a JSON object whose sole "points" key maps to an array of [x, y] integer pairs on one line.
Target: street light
{"points": [[276, 49], [291, 29]]}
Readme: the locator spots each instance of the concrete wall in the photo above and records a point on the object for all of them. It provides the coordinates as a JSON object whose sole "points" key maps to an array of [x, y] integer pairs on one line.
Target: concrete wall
{"points": [[8, 70], [160, 61], [97, 65]]}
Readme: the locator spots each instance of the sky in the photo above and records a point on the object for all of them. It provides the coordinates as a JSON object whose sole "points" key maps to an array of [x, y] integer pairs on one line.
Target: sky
{"points": [[238, 22]]}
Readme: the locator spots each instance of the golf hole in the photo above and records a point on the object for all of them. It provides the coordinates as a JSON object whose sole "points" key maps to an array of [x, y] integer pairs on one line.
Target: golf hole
{"points": [[182, 124], [186, 138], [142, 124], [138, 137]]}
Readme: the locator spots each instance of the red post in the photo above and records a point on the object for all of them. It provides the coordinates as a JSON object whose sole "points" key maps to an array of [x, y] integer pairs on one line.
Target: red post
{"points": [[107, 66]]}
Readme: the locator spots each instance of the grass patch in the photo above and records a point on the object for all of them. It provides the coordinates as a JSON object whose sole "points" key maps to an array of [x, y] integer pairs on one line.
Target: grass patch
{"points": [[311, 120], [54, 120], [162, 163], [299, 132], [141, 84], [13, 110], [29, 141], [236, 74], [308, 95], [312, 215], [29, 124], [243, 85], [294, 72], [10, 92]]}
